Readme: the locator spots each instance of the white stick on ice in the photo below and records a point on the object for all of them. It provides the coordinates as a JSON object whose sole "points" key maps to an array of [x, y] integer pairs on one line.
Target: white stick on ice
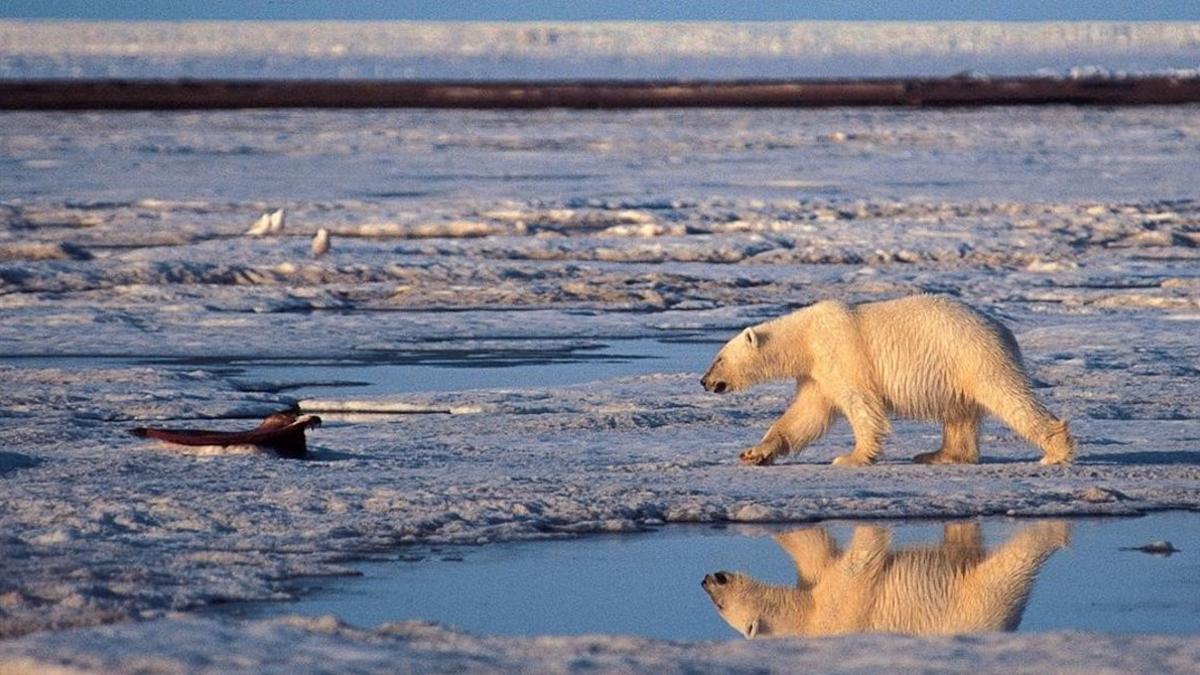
{"points": [[320, 243], [260, 227], [276, 220]]}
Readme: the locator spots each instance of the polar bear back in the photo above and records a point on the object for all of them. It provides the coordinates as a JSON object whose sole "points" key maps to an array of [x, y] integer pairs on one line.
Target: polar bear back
{"points": [[931, 354]]}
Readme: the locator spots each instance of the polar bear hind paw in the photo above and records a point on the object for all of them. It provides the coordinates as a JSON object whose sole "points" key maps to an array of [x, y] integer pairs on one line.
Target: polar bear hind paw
{"points": [[756, 457], [1053, 534], [1060, 460], [939, 457]]}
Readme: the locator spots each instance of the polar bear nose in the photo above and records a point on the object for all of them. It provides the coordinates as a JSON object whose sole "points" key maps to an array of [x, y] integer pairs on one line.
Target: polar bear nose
{"points": [[711, 384], [719, 578]]}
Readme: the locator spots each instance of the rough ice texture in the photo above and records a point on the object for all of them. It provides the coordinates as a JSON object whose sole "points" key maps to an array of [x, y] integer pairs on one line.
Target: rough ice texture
{"points": [[580, 50], [126, 287], [186, 644]]}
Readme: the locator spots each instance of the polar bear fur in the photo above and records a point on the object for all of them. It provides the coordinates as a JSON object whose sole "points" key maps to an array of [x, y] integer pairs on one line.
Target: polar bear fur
{"points": [[922, 357], [956, 587]]}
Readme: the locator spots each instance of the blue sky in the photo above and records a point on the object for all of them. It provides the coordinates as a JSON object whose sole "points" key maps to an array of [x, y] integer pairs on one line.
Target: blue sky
{"points": [[591, 10]]}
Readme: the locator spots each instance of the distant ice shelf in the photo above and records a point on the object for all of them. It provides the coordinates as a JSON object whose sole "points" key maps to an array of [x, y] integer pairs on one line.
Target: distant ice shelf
{"points": [[433, 50]]}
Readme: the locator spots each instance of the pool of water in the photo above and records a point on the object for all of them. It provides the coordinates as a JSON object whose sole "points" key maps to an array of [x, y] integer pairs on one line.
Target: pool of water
{"points": [[650, 583], [523, 363], [513, 364]]}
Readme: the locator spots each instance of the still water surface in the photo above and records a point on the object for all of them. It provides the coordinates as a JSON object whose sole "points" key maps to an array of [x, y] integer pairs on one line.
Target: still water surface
{"points": [[650, 584]]}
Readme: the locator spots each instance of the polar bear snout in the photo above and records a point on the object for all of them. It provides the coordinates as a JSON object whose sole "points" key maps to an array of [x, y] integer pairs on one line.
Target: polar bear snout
{"points": [[713, 584], [717, 579], [720, 588], [713, 384]]}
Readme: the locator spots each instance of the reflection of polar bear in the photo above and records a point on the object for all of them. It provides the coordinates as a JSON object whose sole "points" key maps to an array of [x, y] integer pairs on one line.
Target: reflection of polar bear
{"points": [[956, 587], [922, 356]]}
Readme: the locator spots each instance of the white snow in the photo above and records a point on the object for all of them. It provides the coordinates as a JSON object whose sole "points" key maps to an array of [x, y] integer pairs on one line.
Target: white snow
{"points": [[1078, 228], [188, 644]]}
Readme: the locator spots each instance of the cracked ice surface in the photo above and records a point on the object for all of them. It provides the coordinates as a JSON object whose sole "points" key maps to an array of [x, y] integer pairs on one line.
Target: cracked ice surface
{"points": [[129, 296]]}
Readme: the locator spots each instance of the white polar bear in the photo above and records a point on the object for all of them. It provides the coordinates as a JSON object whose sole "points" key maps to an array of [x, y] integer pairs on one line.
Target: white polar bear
{"points": [[954, 587], [923, 357]]}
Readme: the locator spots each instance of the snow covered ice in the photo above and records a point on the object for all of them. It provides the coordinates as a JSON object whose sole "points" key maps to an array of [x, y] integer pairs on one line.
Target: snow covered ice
{"points": [[570, 50], [129, 296]]}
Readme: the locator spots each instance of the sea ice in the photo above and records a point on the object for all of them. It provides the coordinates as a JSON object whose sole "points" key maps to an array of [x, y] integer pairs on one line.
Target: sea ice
{"points": [[137, 301]]}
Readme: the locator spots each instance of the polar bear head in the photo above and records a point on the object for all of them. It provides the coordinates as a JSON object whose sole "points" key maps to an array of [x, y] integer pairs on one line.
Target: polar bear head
{"points": [[737, 364], [753, 608]]}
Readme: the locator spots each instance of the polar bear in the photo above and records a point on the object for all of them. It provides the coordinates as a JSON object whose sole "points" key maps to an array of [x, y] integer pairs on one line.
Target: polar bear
{"points": [[922, 356], [956, 587]]}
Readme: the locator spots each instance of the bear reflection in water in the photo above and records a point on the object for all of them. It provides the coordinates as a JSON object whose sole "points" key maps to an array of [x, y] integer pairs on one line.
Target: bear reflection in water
{"points": [[954, 587]]}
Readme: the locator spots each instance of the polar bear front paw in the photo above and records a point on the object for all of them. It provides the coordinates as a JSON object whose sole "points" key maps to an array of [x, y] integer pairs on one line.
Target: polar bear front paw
{"points": [[852, 460], [757, 456]]}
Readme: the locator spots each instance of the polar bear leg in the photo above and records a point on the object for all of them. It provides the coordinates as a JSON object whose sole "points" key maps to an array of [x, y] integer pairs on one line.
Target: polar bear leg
{"points": [[849, 587], [1060, 447], [967, 537], [813, 550], [865, 412], [993, 595], [1014, 403], [960, 442], [805, 420], [867, 550]]}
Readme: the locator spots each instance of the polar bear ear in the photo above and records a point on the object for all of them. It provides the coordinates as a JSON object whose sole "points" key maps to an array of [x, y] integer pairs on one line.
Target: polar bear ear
{"points": [[752, 630], [751, 337]]}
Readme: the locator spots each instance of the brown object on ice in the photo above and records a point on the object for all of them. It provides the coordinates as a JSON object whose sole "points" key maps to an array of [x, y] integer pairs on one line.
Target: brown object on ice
{"points": [[281, 433], [916, 92]]}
